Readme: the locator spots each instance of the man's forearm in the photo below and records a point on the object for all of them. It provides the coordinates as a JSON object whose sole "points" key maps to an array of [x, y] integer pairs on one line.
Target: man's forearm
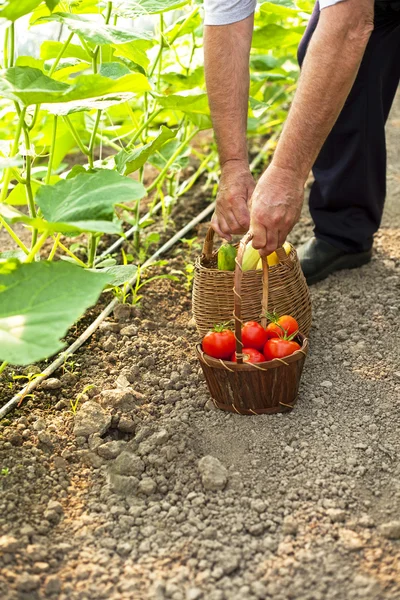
{"points": [[226, 53], [329, 70]]}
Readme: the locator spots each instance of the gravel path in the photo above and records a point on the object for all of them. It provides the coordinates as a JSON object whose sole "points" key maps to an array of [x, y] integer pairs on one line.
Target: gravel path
{"points": [[150, 493]]}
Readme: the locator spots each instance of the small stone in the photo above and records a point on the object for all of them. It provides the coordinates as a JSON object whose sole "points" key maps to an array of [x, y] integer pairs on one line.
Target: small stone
{"points": [[28, 583], [39, 425], [194, 593], [16, 439], [342, 335], [214, 475], [390, 530], [336, 515], [126, 424], [9, 544], [123, 484], [111, 450], [91, 418], [326, 384], [351, 540], [61, 404], [69, 379], [45, 439], [396, 375], [128, 464], [290, 526], [122, 313], [129, 331], [60, 463], [52, 585], [147, 486], [122, 400], [366, 521], [51, 384], [110, 326], [55, 506]]}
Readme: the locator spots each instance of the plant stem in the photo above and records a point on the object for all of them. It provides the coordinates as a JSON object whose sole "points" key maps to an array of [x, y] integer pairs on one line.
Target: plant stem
{"points": [[92, 249], [187, 185], [13, 235], [55, 246], [143, 127], [95, 52], [5, 48], [161, 51], [71, 254], [75, 135], [60, 54], [28, 184], [14, 151], [34, 118], [12, 45], [52, 148], [32, 254], [104, 139], [93, 138], [3, 366], [175, 155]]}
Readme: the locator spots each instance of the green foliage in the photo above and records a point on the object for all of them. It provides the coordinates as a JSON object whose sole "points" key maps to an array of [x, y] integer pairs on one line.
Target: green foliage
{"points": [[81, 125], [36, 308]]}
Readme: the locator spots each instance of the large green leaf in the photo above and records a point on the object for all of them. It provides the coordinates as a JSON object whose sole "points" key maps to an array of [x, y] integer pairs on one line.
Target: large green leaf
{"points": [[178, 82], [192, 101], [276, 36], [128, 162], [31, 86], [39, 302], [281, 9], [50, 49], [137, 8], [134, 51], [95, 32], [67, 108], [87, 201], [14, 9]]}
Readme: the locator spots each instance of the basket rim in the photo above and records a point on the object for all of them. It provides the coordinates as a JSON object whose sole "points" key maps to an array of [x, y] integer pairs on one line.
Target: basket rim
{"points": [[268, 364], [291, 258]]}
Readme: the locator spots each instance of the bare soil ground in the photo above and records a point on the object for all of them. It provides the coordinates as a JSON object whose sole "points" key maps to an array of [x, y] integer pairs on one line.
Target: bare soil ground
{"points": [[118, 503]]}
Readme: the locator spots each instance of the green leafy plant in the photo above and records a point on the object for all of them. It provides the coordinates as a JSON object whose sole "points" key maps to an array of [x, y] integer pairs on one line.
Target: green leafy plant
{"points": [[75, 403]]}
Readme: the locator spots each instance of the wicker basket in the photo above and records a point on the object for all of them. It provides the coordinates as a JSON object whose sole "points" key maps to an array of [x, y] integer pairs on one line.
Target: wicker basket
{"points": [[213, 295], [249, 389]]}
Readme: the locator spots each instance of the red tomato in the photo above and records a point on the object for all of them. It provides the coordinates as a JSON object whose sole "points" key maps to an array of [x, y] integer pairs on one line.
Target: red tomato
{"points": [[285, 325], [254, 335], [219, 343], [278, 348], [250, 355]]}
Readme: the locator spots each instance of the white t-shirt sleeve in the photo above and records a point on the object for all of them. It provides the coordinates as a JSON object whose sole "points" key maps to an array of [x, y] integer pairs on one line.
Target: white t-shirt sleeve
{"points": [[326, 3], [225, 12]]}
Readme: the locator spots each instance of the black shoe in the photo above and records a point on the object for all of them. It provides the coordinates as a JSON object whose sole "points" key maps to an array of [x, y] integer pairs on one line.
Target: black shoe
{"points": [[319, 259]]}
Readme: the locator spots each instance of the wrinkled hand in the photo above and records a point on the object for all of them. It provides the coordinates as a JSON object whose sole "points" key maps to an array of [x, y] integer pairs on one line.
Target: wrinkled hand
{"points": [[275, 208], [232, 210]]}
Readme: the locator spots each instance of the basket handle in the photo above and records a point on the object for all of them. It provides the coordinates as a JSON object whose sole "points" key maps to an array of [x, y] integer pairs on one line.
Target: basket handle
{"points": [[237, 292], [208, 247]]}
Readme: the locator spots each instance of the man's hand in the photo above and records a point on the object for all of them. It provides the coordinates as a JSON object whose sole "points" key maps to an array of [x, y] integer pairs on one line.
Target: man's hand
{"points": [[275, 208], [235, 189]]}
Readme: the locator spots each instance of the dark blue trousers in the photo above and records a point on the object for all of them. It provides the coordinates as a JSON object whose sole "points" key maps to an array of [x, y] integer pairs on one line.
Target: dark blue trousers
{"points": [[348, 195]]}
